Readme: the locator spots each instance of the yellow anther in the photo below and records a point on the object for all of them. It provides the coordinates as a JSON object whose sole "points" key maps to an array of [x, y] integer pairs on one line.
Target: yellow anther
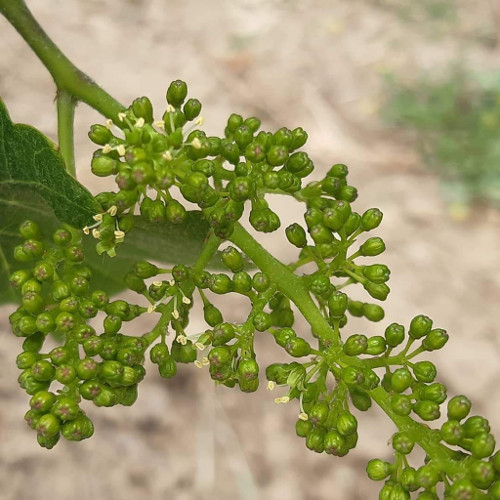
{"points": [[107, 149], [170, 109], [112, 210], [121, 116], [151, 308], [200, 121], [171, 282], [140, 122], [205, 361], [198, 364], [196, 143], [97, 217], [158, 283], [303, 416], [119, 235], [86, 230], [121, 150], [182, 339], [271, 385], [167, 155], [96, 233], [186, 300], [285, 400], [109, 123], [159, 124], [200, 346], [175, 314]]}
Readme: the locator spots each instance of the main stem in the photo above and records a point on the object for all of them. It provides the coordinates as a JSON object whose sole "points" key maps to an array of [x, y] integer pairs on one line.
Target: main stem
{"points": [[65, 129], [66, 75]]}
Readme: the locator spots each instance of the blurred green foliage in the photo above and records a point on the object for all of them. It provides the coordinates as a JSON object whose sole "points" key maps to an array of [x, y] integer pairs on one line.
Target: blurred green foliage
{"points": [[457, 123]]}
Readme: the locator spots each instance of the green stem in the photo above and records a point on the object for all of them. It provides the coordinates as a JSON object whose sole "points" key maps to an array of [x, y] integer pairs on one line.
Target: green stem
{"points": [[427, 438], [65, 121], [286, 282], [66, 75]]}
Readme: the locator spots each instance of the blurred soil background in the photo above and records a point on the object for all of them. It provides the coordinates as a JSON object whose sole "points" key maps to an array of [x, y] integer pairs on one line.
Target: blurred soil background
{"points": [[407, 94]]}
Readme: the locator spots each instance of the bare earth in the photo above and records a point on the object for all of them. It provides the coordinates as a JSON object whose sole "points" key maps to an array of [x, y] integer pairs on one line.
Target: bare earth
{"points": [[315, 64]]}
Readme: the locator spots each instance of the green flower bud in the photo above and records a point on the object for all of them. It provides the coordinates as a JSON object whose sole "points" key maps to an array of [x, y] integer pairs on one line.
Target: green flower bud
{"points": [[65, 374], [394, 334], [373, 312], [435, 339], [355, 345], [159, 353], [296, 235], [338, 170], [87, 369], [212, 315], [483, 445], [26, 360], [74, 253], [337, 304], [168, 368], [221, 284], [297, 347], [376, 345], [424, 371], [112, 324], [103, 166], [42, 401], [378, 470], [78, 429], [482, 474], [463, 488], [30, 230], [99, 134], [176, 93], [352, 375], [409, 479], [458, 407], [434, 392], [242, 282], [401, 379], [90, 389], [402, 443], [32, 302], [48, 425], [452, 432], [142, 108], [18, 278], [420, 326], [360, 399], [66, 409], [347, 193], [347, 423], [260, 282], [315, 440], [427, 410], [222, 334], [401, 404], [192, 109], [371, 219], [378, 273], [42, 371], [335, 444], [303, 428], [372, 247], [377, 291], [45, 323], [184, 353], [232, 259], [427, 476]]}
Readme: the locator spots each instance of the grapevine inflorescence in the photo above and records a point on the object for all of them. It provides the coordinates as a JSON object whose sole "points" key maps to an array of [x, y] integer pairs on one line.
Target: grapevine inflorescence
{"points": [[164, 168]]}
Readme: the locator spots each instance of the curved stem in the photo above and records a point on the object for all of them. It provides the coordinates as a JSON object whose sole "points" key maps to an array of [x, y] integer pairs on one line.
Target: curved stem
{"points": [[65, 121], [292, 286], [66, 75]]}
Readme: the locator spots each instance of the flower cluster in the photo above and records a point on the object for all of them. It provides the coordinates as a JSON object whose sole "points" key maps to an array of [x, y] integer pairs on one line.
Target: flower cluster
{"points": [[162, 169]]}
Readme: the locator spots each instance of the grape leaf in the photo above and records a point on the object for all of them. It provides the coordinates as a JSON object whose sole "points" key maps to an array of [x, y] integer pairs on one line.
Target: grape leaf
{"points": [[34, 185]]}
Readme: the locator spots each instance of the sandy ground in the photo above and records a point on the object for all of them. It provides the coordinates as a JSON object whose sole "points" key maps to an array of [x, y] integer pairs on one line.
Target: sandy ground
{"points": [[315, 64]]}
